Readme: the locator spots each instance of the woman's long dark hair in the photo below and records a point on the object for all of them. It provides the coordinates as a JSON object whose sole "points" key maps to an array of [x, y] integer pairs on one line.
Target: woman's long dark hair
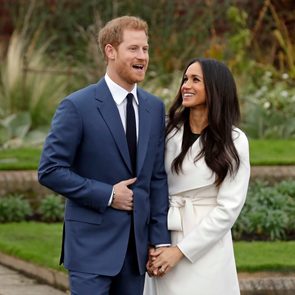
{"points": [[217, 144]]}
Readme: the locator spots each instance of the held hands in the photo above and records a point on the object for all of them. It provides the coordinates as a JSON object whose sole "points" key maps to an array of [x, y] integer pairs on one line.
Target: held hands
{"points": [[162, 260], [123, 197]]}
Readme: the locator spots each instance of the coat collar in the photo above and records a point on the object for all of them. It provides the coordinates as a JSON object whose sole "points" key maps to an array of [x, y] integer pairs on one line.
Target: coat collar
{"points": [[194, 174]]}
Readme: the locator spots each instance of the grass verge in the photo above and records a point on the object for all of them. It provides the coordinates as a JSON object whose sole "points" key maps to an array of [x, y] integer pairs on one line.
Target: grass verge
{"points": [[272, 152], [40, 243], [35, 242], [19, 159], [265, 256], [262, 152]]}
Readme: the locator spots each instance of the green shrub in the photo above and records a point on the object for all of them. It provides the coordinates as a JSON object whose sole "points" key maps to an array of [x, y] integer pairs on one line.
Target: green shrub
{"points": [[52, 208], [287, 187], [269, 212], [28, 99], [14, 208], [269, 106]]}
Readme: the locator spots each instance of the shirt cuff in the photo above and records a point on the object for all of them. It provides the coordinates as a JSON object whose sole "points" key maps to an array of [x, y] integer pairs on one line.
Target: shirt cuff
{"points": [[111, 198], [162, 245]]}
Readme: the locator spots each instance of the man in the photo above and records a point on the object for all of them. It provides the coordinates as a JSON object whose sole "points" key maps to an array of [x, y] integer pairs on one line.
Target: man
{"points": [[115, 187]]}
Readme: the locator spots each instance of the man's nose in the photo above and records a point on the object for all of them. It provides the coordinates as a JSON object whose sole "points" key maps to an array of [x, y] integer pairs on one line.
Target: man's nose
{"points": [[142, 54]]}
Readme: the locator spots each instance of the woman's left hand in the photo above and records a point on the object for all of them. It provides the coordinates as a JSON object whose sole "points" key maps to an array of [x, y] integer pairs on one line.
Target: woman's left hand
{"points": [[166, 258]]}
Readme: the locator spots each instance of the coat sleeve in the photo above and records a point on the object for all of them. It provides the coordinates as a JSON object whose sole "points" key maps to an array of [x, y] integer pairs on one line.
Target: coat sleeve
{"points": [[59, 151], [230, 200]]}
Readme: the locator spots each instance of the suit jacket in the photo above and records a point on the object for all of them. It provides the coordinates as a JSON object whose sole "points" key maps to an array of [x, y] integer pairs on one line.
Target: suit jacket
{"points": [[84, 155]]}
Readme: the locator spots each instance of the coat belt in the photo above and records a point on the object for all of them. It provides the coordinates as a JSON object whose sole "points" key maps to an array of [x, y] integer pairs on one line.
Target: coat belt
{"points": [[188, 219]]}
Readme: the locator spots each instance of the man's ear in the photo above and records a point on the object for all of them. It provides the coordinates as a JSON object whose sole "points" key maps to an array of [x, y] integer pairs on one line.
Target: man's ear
{"points": [[110, 51]]}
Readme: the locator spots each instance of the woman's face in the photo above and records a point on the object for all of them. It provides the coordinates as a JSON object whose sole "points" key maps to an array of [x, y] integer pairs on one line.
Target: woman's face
{"points": [[193, 87]]}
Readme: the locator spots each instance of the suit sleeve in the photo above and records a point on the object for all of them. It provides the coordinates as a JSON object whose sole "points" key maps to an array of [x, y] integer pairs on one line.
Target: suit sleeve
{"points": [[158, 231], [59, 151], [230, 200]]}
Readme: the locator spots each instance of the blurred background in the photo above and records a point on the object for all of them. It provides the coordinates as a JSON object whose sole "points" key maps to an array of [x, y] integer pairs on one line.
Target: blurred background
{"points": [[49, 49]]}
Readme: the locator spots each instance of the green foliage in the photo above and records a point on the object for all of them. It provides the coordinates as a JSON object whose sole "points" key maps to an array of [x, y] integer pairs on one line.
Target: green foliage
{"points": [[287, 187], [167, 94], [269, 212], [52, 208], [253, 38], [14, 208], [15, 131], [269, 107], [238, 41], [27, 99]]}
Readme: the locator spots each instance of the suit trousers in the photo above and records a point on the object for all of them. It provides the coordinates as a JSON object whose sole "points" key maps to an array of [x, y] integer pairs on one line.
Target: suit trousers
{"points": [[127, 282]]}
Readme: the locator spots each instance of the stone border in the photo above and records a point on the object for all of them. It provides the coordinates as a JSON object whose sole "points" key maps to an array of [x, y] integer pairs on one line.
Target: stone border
{"points": [[267, 281], [51, 277], [273, 173], [26, 183]]}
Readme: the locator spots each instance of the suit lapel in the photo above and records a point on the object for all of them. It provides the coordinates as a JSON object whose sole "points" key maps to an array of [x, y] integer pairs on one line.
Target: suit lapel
{"points": [[144, 129], [109, 112]]}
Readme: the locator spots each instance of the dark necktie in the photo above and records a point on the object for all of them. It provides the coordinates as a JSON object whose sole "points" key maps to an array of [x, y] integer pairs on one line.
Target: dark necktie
{"points": [[131, 131]]}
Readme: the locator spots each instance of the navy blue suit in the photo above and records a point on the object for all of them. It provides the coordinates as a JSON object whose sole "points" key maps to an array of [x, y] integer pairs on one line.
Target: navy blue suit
{"points": [[84, 155]]}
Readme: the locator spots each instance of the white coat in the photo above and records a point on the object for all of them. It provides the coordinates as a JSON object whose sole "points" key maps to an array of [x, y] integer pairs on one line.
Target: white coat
{"points": [[200, 219]]}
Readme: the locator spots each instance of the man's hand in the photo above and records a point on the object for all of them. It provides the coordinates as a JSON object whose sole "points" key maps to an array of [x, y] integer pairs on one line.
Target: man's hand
{"points": [[123, 198], [151, 270], [149, 264]]}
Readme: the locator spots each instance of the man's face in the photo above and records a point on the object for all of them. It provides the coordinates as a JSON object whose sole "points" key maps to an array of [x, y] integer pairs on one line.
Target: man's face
{"points": [[128, 63]]}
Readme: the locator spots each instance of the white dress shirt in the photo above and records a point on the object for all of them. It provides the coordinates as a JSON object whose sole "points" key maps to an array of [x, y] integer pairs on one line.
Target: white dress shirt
{"points": [[119, 95]]}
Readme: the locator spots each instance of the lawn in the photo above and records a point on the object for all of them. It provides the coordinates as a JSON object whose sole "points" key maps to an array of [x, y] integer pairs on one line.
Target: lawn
{"points": [[262, 152], [35, 242], [265, 256], [40, 244], [272, 152], [19, 159]]}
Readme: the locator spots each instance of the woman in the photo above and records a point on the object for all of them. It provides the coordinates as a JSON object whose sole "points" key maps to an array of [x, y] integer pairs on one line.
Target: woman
{"points": [[207, 163]]}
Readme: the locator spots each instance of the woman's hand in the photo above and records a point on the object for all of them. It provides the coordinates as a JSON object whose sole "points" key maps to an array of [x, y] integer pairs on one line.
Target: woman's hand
{"points": [[163, 259]]}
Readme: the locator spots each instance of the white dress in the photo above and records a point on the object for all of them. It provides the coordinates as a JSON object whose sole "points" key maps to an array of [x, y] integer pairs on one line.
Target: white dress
{"points": [[200, 219]]}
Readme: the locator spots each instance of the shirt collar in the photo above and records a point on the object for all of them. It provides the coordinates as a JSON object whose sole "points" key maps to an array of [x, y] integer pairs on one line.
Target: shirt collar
{"points": [[118, 92]]}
